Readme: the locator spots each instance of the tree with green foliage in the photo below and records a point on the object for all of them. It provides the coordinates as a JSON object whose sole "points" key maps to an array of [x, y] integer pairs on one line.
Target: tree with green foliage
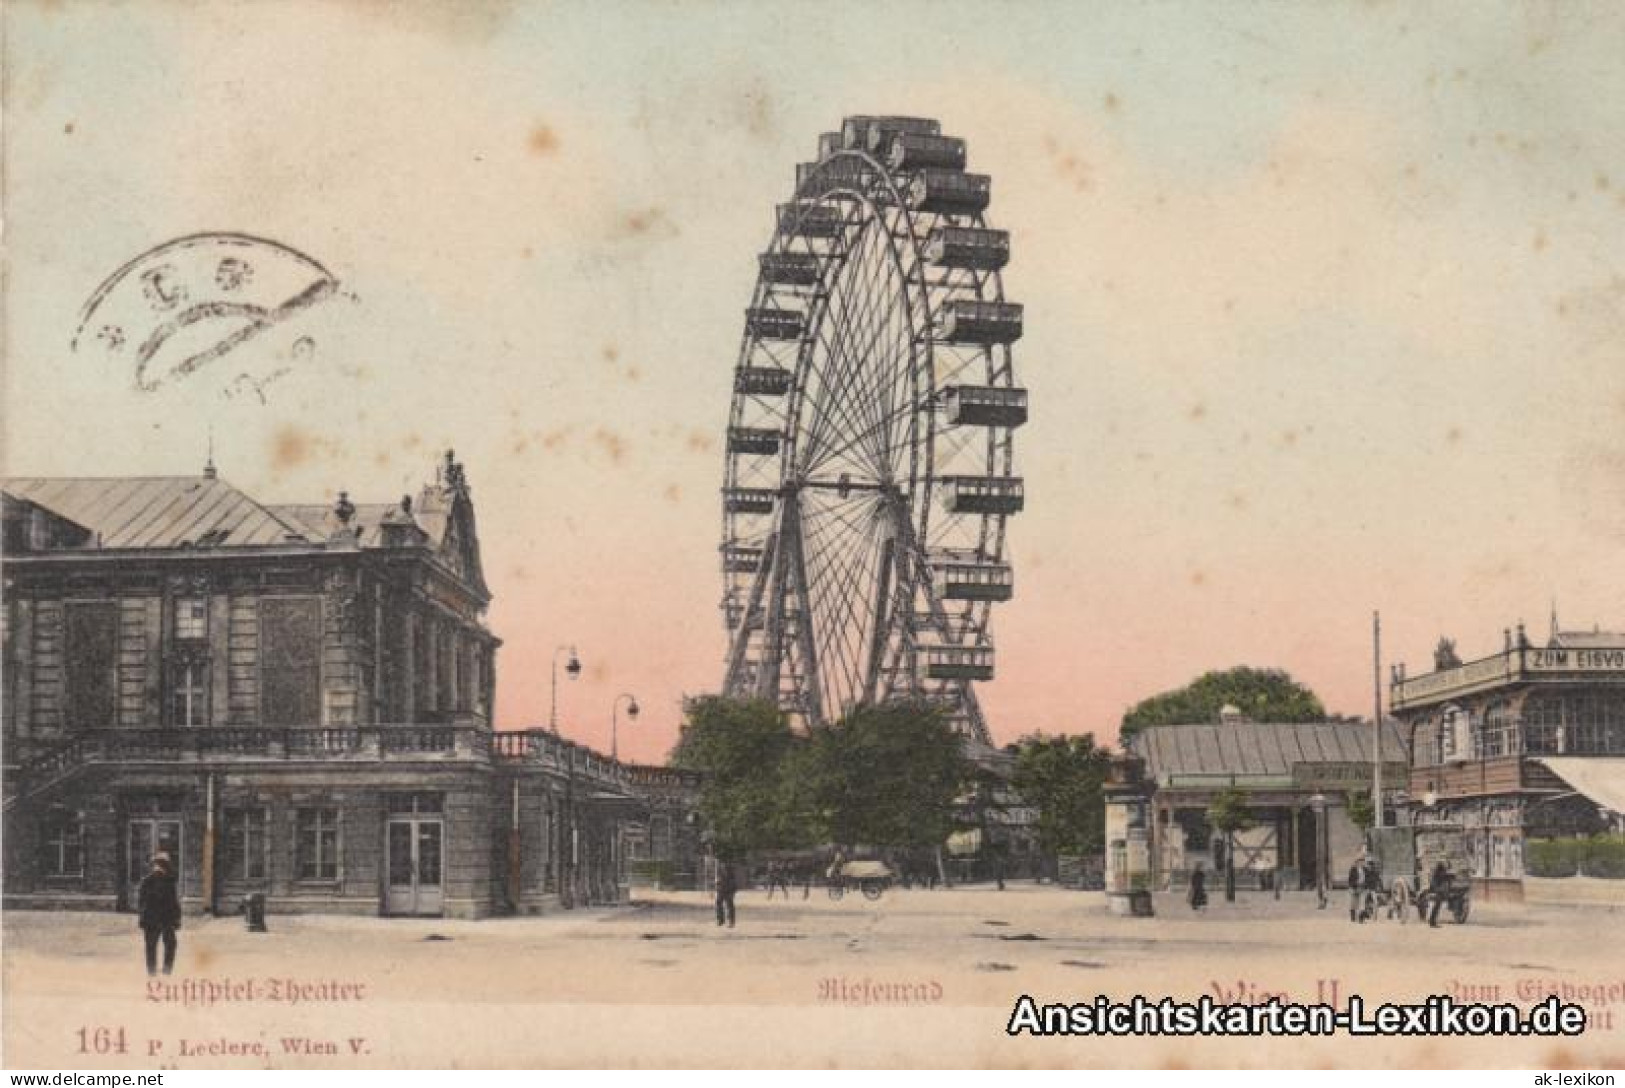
{"points": [[884, 775], [1361, 812], [1263, 695], [745, 749], [1062, 778], [1228, 813]]}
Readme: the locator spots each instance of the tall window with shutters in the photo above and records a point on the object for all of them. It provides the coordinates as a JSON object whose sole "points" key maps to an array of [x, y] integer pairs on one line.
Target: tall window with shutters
{"points": [[290, 660]]}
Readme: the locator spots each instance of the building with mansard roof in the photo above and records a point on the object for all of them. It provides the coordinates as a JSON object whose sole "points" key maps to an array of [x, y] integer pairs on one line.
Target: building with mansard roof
{"points": [[293, 700]]}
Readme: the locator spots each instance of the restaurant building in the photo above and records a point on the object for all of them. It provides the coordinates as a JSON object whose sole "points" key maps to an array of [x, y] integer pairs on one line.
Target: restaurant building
{"points": [[1525, 744], [1295, 779], [293, 700]]}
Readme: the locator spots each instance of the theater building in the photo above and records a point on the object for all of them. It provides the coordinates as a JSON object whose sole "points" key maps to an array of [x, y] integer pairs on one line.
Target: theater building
{"points": [[294, 700], [1525, 744], [1295, 779]]}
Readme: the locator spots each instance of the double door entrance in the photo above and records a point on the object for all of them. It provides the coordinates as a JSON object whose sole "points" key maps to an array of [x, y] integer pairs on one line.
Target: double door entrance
{"points": [[144, 837], [414, 838]]}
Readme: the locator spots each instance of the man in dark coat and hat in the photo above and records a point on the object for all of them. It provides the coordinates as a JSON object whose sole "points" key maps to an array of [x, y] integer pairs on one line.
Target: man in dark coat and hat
{"points": [[727, 888], [159, 902]]}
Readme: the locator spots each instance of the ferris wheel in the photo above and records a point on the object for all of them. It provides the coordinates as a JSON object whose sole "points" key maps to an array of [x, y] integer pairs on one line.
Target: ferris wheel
{"points": [[869, 468]]}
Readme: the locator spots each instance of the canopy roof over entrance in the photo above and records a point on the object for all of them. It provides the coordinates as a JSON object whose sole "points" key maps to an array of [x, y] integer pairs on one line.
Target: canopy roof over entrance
{"points": [[1601, 778]]}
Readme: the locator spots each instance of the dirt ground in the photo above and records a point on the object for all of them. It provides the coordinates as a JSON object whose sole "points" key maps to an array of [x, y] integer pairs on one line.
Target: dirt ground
{"points": [[920, 978]]}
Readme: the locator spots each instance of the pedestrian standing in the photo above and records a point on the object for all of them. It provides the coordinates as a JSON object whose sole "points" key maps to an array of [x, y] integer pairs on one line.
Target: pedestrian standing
{"points": [[777, 879], [1357, 890], [1197, 895], [1438, 892], [727, 888], [158, 903]]}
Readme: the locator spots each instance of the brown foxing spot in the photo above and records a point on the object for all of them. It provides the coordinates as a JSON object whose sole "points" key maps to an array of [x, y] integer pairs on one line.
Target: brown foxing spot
{"points": [[1603, 182], [1111, 102], [291, 447], [1453, 436], [519, 573], [633, 374], [611, 353], [543, 140], [758, 113], [527, 253], [673, 493], [555, 438], [1289, 439], [1561, 1057], [700, 442], [1198, 578], [647, 221], [1539, 244], [1236, 500], [1198, 411], [613, 445], [67, 129]]}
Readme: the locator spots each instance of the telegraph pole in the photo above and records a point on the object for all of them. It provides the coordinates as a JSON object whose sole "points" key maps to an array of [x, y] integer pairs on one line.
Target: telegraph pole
{"points": [[1376, 702]]}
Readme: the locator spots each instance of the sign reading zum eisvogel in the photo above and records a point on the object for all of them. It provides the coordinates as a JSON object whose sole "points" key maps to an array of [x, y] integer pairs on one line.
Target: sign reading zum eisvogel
{"points": [[1334, 776], [1610, 660]]}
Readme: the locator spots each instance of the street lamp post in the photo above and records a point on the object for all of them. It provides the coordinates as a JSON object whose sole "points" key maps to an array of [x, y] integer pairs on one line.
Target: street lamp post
{"points": [[1318, 804], [614, 722], [573, 668]]}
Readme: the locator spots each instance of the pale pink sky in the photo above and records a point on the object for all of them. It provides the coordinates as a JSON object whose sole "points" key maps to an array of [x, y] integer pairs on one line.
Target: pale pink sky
{"points": [[1325, 304]]}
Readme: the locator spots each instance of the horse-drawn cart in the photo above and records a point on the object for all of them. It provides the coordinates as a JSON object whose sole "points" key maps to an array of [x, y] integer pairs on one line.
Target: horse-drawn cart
{"points": [[872, 878], [1406, 858]]}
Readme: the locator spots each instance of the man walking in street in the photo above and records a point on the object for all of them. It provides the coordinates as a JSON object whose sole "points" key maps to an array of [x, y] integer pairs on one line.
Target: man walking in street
{"points": [[727, 888], [158, 902]]}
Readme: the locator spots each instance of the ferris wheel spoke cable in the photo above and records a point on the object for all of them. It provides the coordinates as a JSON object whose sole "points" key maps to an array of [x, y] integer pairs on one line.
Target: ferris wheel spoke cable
{"points": [[850, 387], [833, 413], [868, 434], [841, 572]]}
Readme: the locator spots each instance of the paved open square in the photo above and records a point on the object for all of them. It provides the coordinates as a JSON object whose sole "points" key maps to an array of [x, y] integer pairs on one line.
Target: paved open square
{"points": [[918, 977]]}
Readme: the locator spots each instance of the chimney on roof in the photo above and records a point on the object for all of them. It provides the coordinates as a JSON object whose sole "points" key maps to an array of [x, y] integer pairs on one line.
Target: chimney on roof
{"points": [[208, 466]]}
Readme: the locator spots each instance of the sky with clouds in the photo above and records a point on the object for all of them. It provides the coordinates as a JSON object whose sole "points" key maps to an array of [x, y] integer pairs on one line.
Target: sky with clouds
{"points": [[1325, 303]]}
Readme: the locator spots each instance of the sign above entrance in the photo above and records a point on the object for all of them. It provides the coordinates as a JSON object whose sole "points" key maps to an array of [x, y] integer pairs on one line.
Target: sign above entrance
{"points": [[1341, 776]]}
